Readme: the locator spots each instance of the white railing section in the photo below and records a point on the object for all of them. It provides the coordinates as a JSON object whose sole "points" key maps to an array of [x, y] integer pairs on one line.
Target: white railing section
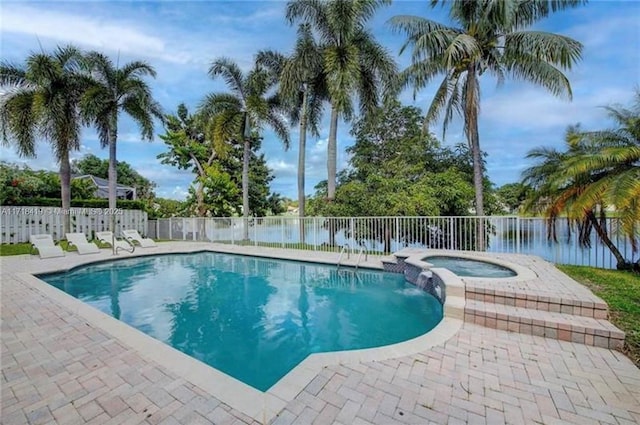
{"points": [[18, 223], [505, 234]]}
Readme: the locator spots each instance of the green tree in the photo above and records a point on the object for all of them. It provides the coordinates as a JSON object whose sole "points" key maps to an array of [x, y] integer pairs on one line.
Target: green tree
{"points": [[512, 195], [488, 37], [165, 208], [303, 88], [249, 105], [189, 147], [354, 63], [398, 171], [40, 100], [113, 90]]}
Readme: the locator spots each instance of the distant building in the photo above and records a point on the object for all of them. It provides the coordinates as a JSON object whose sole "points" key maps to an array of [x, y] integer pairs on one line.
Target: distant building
{"points": [[102, 188]]}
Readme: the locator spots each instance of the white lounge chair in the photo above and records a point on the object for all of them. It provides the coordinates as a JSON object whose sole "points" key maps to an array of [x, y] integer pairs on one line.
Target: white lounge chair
{"points": [[134, 237], [107, 237], [45, 246], [79, 240]]}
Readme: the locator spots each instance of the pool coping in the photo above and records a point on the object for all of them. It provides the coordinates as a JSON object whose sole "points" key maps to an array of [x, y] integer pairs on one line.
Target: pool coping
{"points": [[261, 406]]}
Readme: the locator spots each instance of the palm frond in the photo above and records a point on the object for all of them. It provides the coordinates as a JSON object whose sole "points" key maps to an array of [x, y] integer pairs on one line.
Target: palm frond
{"points": [[230, 73]]}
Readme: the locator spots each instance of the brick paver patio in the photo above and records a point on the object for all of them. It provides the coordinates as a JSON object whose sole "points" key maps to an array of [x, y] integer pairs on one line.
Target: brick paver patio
{"points": [[57, 368]]}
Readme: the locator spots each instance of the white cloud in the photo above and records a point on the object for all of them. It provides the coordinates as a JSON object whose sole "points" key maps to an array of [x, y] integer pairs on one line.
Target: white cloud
{"points": [[103, 34]]}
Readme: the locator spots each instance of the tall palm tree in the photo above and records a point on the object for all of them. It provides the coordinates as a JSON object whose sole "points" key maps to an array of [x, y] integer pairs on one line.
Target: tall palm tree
{"points": [[248, 106], [40, 101], [113, 90], [353, 62], [488, 37], [303, 90]]}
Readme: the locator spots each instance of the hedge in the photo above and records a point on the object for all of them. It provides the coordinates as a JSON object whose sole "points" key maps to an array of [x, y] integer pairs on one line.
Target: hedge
{"points": [[81, 203]]}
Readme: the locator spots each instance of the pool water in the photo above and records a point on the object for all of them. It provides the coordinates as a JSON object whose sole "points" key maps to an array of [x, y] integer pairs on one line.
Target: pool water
{"points": [[254, 319], [469, 268]]}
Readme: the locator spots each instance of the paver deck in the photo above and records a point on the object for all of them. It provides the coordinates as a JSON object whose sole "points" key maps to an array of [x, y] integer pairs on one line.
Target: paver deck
{"points": [[57, 368]]}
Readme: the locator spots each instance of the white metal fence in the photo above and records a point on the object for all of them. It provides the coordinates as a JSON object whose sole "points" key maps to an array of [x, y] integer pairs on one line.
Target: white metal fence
{"points": [[390, 234], [18, 223]]}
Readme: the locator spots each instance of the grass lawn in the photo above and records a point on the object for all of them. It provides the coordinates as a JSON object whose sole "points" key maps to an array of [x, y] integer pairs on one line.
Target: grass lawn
{"points": [[25, 248], [621, 290]]}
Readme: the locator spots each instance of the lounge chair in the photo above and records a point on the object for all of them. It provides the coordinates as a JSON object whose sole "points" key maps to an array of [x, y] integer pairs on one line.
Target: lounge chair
{"points": [[79, 240], [134, 237], [107, 237], [45, 246]]}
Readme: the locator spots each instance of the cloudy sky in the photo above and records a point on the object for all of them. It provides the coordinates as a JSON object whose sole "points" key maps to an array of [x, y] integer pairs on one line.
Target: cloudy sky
{"points": [[180, 39]]}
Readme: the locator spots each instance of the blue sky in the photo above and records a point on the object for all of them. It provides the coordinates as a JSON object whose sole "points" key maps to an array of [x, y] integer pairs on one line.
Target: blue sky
{"points": [[180, 39]]}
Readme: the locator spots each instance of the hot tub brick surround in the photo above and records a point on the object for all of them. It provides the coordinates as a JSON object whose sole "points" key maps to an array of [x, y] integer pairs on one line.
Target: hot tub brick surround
{"points": [[562, 316]]}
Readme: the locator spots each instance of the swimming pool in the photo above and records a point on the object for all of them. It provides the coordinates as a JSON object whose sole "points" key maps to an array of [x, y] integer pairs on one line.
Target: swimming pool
{"points": [[252, 318], [467, 267]]}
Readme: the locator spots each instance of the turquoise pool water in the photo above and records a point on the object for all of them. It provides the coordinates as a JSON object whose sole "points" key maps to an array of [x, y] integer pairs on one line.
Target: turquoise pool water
{"points": [[254, 319], [469, 268]]}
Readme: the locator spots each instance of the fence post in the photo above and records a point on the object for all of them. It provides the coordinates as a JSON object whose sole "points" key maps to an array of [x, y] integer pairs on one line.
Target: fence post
{"points": [[451, 235], [193, 227], [282, 220], [315, 233], [233, 229], [518, 234], [255, 232], [170, 230]]}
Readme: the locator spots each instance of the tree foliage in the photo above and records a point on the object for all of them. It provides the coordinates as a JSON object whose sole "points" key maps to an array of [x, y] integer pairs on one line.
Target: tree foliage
{"points": [[396, 170]]}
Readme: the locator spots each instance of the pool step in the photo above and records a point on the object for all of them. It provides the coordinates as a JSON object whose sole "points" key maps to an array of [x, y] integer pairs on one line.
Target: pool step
{"points": [[557, 325], [564, 304]]}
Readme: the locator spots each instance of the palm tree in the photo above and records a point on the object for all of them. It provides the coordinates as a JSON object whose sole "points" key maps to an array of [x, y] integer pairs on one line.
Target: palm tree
{"points": [[598, 169], [41, 100], [302, 87], [489, 36], [248, 106], [352, 61], [113, 90], [613, 165]]}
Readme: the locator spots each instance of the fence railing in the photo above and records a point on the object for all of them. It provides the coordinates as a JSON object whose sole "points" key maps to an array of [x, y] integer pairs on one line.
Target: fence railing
{"points": [[18, 223], [505, 234]]}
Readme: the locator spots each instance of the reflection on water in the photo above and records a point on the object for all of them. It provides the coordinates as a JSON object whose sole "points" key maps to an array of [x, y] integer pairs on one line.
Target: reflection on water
{"points": [[254, 319]]}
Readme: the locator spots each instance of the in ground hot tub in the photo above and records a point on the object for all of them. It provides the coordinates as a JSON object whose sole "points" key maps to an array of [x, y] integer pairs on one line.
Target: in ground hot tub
{"points": [[467, 267]]}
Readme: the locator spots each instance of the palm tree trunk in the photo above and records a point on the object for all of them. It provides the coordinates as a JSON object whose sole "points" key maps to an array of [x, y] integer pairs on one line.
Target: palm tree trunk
{"points": [[622, 264], [245, 188], [200, 199], [65, 191], [245, 176], [471, 118], [332, 155], [301, 161], [113, 177]]}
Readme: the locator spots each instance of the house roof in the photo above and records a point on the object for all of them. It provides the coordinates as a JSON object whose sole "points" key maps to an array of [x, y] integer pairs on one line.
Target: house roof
{"points": [[103, 186]]}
